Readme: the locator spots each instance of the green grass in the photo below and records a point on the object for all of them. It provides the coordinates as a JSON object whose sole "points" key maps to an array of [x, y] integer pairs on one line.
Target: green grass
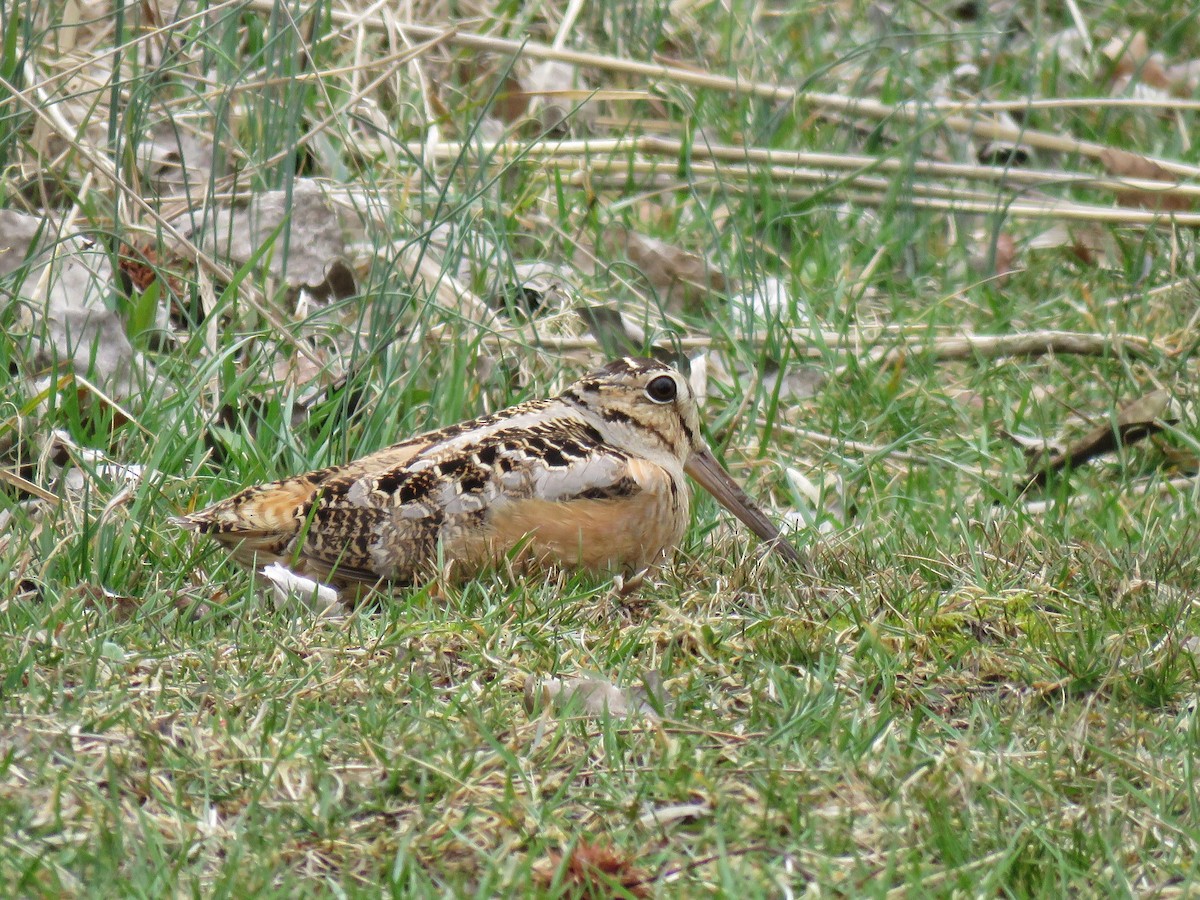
{"points": [[964, 694]]}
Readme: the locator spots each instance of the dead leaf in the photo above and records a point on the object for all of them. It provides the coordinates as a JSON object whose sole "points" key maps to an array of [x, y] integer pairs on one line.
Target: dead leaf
{"points": [[339, 284], [1135, 421], [97, 596], [87, 472], [550, 109], [1089, 243], [1124, 164], [663, 816], [1131, 58], [1184, 77], [434, 267], [142, 266], [512, 103], [545, 92], [992, 254], [1006, 252], [594, 697], [447, 291], [136, 266], [61, 282], [77, 481], [300, 232], [465, 250], [25, 486], [593, 870], [815, 506], [680, 278], [792, 383]]}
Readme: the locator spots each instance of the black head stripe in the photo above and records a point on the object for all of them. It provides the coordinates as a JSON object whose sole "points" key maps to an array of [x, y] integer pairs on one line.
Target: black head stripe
{"points": [[631, 365]]}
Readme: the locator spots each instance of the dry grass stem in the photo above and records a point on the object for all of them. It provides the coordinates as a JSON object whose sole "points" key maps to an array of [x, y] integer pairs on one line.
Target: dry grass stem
{"points": [[783, 165], [955, 117]]}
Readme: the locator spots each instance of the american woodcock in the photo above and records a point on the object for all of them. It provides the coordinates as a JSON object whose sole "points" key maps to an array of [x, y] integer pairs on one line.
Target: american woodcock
{"points": [[593, 477]]}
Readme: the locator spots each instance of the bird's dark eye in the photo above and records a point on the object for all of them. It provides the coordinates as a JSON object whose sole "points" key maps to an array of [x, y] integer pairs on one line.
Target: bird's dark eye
{"points": [[662, 389]]}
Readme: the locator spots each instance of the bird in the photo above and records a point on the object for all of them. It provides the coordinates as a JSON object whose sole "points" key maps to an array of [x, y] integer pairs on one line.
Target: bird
{"points": [[593, 478]]}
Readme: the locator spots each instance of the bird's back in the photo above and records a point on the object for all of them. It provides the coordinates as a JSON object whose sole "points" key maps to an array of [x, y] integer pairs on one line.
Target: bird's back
{"points": [[537, 477]]}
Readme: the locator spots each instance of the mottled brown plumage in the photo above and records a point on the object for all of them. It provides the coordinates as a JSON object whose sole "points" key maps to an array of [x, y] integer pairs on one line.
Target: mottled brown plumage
{"points": [[591, 478]]}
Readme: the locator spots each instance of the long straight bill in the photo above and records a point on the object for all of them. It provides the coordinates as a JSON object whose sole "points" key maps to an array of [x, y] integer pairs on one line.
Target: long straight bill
{"points": [[703, 466]]}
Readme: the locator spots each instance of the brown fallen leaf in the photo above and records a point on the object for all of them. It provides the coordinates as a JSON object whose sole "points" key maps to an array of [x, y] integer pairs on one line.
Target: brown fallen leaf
{"points": [[680, 277], [993, 255], [136, 266], [122, 607], [593, 870], [1124, 164], [142, 266], [338, 284], [1135, 421], [1087, 242], [1131, 58], [1184, 77], [1006, 252]]}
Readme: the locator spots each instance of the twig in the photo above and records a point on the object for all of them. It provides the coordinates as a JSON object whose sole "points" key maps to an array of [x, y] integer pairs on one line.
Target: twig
{"points": [[1030, 343], [1135, 421], [1180, 104], [817, 344]]}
